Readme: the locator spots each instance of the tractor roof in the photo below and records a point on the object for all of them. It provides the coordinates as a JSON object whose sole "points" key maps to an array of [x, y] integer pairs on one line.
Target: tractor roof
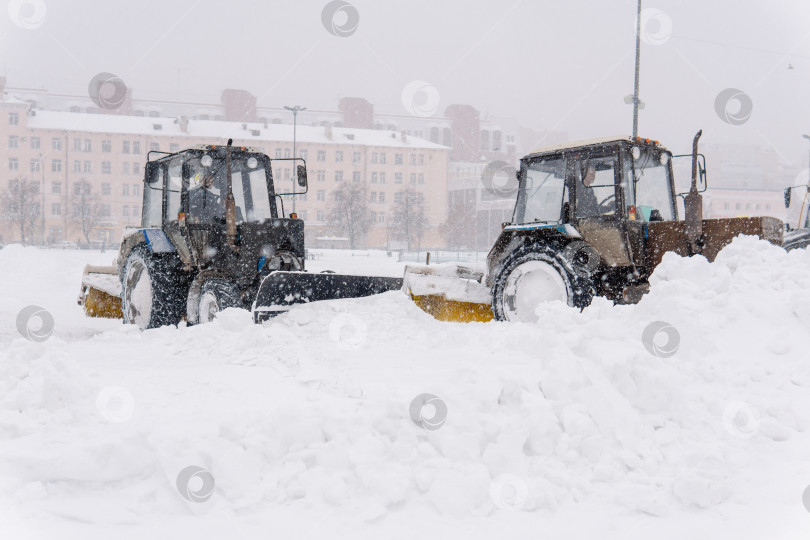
{"points": [[589, 142]]}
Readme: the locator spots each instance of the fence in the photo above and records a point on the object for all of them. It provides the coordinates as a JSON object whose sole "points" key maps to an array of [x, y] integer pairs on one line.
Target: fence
{"points": [[438, 256]]}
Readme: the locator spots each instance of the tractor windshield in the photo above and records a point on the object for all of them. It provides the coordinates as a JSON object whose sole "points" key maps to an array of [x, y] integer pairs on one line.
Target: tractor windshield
{"points": [[205, 187], [649, 177], [542, 191]]}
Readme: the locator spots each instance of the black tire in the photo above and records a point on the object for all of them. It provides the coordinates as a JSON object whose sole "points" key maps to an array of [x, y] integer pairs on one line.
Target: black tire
{"points": [[215, 295], [557, 281], [152, 292]]}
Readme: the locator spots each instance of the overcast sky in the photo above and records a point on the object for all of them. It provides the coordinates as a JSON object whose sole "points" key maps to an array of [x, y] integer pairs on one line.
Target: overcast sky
{"points": [[554, 65]]}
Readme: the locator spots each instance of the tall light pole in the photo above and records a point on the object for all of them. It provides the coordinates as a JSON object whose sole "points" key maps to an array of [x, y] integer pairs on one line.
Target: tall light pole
{"points": [[42, 210], [295, 110], [638, 61], [807, 218]]}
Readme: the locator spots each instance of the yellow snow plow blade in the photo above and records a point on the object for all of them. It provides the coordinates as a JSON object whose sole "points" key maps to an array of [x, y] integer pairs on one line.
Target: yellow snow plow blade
{"points": [[449, 292], [101, 292]]}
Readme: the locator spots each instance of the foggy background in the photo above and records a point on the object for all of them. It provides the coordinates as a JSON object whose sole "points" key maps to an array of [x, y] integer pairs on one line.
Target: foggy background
{"points": [[551, 65]]}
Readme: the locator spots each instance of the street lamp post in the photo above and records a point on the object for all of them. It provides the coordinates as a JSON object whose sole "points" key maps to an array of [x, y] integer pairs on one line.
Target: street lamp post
{"points": [[638, 62], [807, 219], [42, 209], [295, 110]]}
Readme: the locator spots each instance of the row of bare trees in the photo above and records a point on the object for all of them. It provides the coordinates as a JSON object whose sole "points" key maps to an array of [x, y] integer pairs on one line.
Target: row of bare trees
{"points": [[20, 204], [349, 215]]}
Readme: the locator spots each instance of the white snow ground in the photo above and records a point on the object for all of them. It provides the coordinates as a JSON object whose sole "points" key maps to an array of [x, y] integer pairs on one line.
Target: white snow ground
{"points": [[570, 428]]}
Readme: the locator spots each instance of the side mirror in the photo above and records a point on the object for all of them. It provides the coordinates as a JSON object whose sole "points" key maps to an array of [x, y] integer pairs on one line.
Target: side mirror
{"points": [[302, 175], [788, 193], [152, 172], [703, 176], [655, 215], [186, 170]]}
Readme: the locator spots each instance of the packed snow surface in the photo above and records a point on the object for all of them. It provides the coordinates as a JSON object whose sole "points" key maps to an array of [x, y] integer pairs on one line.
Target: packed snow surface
{"points": [[685, 416]]}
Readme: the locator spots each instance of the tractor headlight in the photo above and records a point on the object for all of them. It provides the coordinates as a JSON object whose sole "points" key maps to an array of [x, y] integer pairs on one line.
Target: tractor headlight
{"points": [[636, 152], [206, 160], [664, 158], [252, 162]]}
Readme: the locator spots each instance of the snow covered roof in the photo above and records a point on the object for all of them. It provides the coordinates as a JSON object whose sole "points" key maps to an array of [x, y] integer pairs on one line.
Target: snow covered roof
{"points": [[586, 142], [249, 131]]}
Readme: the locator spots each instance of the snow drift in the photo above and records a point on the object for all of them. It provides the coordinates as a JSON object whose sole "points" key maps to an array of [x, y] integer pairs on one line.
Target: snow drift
{"points": [[687, 413]]}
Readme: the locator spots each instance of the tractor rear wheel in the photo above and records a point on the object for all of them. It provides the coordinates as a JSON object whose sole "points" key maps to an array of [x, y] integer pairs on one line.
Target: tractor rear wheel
{"points": [[215, 295], [151, 293], [533, 275]]}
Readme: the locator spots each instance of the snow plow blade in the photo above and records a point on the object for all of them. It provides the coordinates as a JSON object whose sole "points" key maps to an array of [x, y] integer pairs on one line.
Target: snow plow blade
{"points": [[280, 291], [101, 292], [449, 292]]}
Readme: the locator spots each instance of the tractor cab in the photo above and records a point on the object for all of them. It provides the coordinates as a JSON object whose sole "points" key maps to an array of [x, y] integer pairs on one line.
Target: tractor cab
{"points": [[603, 191]]}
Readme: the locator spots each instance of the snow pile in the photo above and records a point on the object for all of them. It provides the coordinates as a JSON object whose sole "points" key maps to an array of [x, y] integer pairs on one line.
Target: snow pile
{"points": [[369, 413]]}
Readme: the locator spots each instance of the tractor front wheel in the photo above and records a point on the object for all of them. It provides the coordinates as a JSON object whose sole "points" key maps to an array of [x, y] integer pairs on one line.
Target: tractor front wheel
{"points": [[215, 295]]}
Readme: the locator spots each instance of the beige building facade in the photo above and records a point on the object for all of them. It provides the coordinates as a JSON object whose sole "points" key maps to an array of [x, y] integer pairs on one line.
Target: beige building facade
{"points": [[57, 150]]}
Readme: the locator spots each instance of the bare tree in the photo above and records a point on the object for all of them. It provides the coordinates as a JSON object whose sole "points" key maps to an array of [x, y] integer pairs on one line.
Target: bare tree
{"points": [[410, 221], [459, 230], [20, 205], [348, 212], [87, 209]]}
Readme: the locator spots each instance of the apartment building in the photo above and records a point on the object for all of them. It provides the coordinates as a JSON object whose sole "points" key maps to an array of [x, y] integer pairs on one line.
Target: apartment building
{"points": [[58, 150]]}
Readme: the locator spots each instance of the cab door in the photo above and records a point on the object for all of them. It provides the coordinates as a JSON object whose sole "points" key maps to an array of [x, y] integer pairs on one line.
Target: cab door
{"points": [[598, 202]]}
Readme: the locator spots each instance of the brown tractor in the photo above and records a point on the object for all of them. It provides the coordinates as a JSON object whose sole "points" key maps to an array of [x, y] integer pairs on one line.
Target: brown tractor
{"points": [[591, 218]]}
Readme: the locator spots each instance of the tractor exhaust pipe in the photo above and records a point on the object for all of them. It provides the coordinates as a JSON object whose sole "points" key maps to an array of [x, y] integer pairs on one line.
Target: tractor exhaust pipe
{"points": [[693, 205], [230, 203]]}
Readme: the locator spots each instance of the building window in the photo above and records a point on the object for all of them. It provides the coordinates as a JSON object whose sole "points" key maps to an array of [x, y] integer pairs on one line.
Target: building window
{"points": [[36, 143], [421, 178], [382, 196], [278, 153], [381, 217], [398, 178], [356, 157], [321, 195], [373, 196], [56, 165], [125, 190], [87, 167], [338, 176], [303, 154], [106, 145], [125, 166], [125, 147], [13, 141], [421, 159], [321, 176], [136, 190], [88, 145], [287, 153], [56, 187], [106, 167], [56, 209], [321, 155], [13, 119], [375, 158], [413, 159], [105, 210], [77, 166], [339, 156], [154, 147], [174, 147], [726, 206], [34, 165], [382, 177], [136, 168], [13, 164], [35, 187], [136, 147], [398, 159], [321, 215], [105, 188], [356, 176], [56, 143], [125, 211], [374, 178], [77, 145], [382, 158]]}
